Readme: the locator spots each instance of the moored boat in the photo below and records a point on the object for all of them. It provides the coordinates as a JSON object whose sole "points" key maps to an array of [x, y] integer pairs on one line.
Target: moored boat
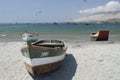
{"points": [[43, 56]]}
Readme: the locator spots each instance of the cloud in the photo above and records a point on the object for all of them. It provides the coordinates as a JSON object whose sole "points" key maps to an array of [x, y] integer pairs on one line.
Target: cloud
{"points": [[112, 6]]}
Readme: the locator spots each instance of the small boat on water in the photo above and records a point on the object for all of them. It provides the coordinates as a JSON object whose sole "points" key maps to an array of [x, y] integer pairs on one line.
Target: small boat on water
{"points": [[42, 56], [102, 35]]}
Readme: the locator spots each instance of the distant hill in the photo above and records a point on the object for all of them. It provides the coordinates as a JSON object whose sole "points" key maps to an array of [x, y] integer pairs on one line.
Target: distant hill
{"points": [[109, 17], [114, 20]]}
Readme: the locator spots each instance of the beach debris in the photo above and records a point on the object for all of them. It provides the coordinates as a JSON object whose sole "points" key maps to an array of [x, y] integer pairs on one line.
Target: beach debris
{"points": [[101, 60], [78, 46], [111, 42]]}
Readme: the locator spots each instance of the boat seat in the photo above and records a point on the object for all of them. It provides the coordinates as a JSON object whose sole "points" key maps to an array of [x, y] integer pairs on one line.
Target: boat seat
{"points": [[51, 43]]}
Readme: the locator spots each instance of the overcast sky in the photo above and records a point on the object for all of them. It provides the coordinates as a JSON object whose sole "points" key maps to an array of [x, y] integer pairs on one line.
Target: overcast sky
{"points": [[34, 11]]}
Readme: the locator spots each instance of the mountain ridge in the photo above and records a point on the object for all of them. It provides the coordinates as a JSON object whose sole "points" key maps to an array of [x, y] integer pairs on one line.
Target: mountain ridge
{"points": [[104, 17]]}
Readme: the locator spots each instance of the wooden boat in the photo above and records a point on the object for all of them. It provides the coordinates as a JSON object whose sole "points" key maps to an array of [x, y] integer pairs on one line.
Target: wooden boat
{"points": [[100, 36], [43, 55], [27, 36]]}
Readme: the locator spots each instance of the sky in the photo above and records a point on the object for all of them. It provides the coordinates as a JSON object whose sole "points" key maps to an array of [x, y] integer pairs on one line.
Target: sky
{"points": [[47, 11]]}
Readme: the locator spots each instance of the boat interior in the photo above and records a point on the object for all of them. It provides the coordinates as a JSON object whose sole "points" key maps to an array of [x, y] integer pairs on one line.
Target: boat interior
{"points": [[49, 43]]}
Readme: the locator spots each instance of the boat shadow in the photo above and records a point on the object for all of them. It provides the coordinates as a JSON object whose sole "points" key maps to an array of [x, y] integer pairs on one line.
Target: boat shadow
{"points": [[64, 72]]}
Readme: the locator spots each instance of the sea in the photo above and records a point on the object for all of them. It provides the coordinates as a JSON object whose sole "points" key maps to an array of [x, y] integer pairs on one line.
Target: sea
{"points": [[63, 31]]}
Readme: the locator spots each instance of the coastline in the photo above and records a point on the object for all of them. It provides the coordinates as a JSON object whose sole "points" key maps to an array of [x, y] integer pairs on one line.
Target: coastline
{"points": [[85, 60], [65, 37]]}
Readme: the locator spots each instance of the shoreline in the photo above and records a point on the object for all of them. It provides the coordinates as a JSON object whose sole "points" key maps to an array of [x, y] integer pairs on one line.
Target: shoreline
{"points": [[65, 37]]}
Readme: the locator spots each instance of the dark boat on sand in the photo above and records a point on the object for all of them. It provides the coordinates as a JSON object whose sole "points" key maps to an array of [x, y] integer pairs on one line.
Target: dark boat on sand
{"points": [[102, 35]]}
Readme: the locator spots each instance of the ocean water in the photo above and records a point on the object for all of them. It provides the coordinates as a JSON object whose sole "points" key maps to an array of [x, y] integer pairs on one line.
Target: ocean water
{"points": [[81, 31]]}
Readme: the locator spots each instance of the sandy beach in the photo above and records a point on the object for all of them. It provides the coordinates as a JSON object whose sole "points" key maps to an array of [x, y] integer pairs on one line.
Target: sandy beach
{"points": [[84, 61], [89, 28]]}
